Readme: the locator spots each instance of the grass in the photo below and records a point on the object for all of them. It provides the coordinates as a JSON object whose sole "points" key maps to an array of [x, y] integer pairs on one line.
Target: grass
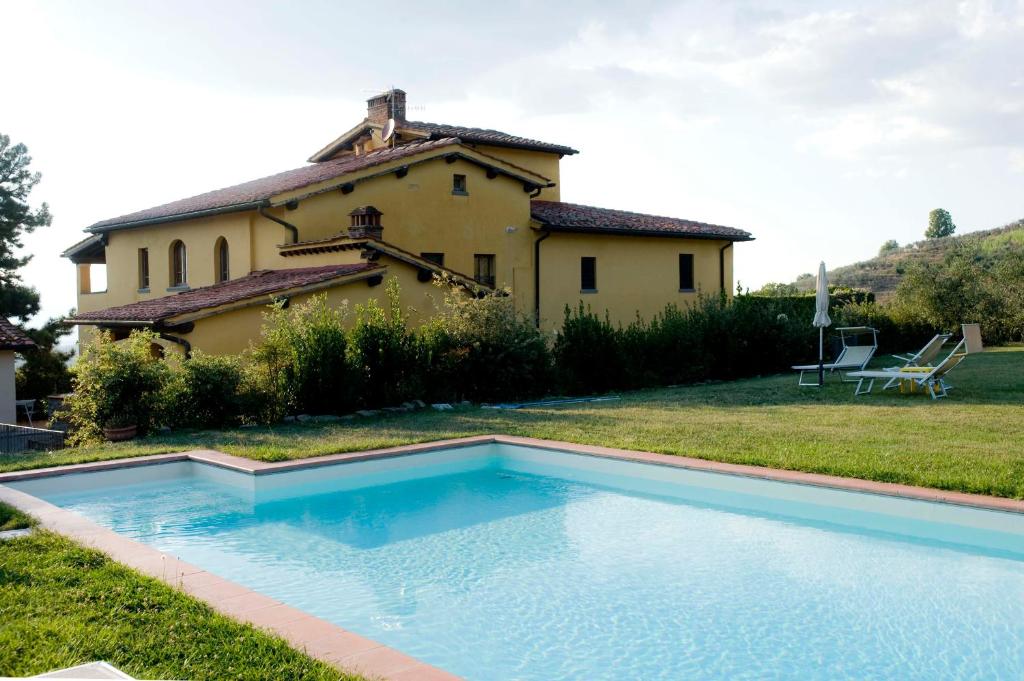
{"points": [[13, 519], [63, 605], [965, 442]]}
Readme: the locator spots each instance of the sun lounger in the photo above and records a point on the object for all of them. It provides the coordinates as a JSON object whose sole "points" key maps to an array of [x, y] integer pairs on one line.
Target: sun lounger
{"points": [[851, 357], [922, 358], [927, 378]]}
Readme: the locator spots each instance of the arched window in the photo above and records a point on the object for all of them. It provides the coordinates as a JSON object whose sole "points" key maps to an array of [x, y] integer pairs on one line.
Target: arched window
{"points": [[179, 264], [221, 260]]}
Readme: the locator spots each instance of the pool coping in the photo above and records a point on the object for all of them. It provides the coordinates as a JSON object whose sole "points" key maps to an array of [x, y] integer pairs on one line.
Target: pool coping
{"points": [[330, 643], [251, 466]]}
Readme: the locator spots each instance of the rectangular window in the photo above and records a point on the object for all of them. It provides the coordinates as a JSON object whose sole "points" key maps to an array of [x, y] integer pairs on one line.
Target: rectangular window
{"points": [[483, 269], [436, 258], [686, 272], [143, 268], [588, 274], [459, 185]]}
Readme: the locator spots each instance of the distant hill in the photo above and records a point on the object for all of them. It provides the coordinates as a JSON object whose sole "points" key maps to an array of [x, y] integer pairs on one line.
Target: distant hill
{"points": [[881, 274]]}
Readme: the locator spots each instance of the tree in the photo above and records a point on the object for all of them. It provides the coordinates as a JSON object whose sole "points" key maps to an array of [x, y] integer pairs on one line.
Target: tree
{"points": [[45, 370], [888, 247], [967, 286], [776, 289], [940, 224], [16, 219]]}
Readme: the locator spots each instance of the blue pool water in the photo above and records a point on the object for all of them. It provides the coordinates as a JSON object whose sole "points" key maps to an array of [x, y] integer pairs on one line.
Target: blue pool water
{"points": [[499, 562]]}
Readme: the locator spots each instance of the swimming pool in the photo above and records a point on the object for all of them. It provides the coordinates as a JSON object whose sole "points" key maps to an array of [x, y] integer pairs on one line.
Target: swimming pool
{"points": [[507, 562]]}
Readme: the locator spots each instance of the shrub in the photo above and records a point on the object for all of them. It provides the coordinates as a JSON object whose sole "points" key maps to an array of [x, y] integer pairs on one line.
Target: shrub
{"points": [[383, 353], [482, 349], [584, 342], [300, 363], [202, 392], [45, 368], [967, 286], [115, 384]]}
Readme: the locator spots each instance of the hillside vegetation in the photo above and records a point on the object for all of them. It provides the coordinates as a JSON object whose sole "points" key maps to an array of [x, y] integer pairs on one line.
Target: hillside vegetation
{"points": [[882, 273]]}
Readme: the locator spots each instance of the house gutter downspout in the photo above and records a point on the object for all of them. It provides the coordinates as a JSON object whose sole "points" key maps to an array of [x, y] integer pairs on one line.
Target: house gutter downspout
{"points": [[287, 225], [721, 266], [536, 278], [185, 345]]}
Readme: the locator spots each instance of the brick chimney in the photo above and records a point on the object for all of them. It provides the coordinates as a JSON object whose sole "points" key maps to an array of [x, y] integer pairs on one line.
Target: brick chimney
{"points": [[365, 223], [390, 104]]}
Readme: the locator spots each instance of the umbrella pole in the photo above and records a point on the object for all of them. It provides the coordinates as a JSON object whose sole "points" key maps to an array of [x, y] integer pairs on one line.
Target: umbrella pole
{"points": [[821, 356]]}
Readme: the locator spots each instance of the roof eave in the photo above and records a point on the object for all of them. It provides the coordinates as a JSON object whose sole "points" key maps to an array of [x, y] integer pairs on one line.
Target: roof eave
{"points": [[179, 217], [17, 346], [177, 319], [624, 231], [133, 323], [341, 141], [545, 148]]}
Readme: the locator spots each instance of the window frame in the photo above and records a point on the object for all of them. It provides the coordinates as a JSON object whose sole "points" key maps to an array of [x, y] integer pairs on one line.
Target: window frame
{"points": [[687, 258], [488, 279], [221, 261], [143, 270], [456, 189], [178, 263], [585, 261], [435, 257]]}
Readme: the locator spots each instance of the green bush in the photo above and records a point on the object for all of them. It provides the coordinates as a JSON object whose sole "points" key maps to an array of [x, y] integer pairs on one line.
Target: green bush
{"points": [[202, 392], [300, 363], [482, 349], [584, 342], [116, 384], [967, 286], [384, 353]]}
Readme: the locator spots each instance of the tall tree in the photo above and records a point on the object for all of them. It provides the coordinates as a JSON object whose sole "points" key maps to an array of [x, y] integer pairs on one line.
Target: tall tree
{"points": [[889, 246], [17, 218], [45, 369], [940, 224]]}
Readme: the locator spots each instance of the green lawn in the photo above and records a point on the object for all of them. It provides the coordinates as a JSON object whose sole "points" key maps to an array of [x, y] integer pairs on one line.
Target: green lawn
{"points": [[13, 519], [63, 605], [967, 442]]}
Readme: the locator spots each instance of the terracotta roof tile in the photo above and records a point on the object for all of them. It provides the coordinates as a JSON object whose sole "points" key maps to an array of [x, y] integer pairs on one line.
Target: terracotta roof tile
{"points": [[259, 283], [245, 195], [571, 217], [485, 136], [13, 338]]}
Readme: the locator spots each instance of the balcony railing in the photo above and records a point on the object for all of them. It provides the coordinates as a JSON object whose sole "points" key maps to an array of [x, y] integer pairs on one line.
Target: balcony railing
{"points": [[15, 439]]}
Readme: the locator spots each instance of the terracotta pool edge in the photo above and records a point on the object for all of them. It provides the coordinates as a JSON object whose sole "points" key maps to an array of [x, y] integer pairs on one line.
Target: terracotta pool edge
{"points": [[849, 484], [321, 640], [254, 467]]}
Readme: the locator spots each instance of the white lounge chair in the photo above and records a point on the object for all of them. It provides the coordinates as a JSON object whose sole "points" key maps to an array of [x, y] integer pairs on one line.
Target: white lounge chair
{"points": [[851, 357], [927, 378], [923, 357]]}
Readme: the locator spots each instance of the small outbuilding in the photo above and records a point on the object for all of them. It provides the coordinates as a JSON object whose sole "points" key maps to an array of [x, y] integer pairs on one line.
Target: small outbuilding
{"points": [[12, 340]]}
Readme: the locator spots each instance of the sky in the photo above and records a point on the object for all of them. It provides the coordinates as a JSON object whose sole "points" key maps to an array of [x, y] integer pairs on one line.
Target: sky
{"points": [[824, 128]]}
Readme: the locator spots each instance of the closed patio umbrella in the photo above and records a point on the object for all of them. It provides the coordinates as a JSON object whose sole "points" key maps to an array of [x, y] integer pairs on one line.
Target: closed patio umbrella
{"points": [[821, 318]]}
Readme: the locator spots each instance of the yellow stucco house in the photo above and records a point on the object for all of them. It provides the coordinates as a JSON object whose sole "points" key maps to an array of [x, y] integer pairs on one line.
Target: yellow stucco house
{"points": [[481, 206]]}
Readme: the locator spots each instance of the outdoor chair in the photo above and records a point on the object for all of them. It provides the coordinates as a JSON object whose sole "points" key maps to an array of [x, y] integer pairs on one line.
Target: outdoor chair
{"points": [[922, 358], [851, 357], [930, 379]]}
